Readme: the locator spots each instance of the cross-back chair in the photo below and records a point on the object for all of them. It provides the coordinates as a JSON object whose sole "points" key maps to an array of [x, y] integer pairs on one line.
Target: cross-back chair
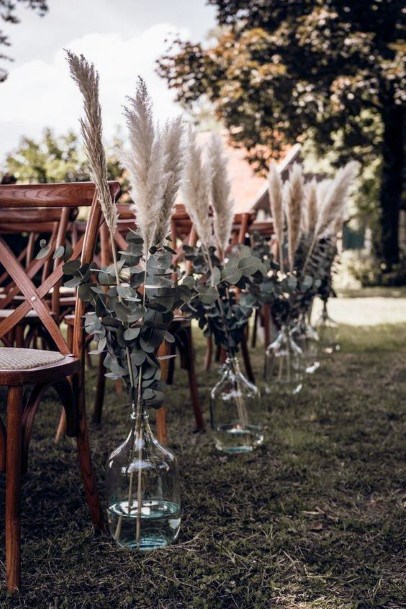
{"points": [[28, 373], [33, 225]]}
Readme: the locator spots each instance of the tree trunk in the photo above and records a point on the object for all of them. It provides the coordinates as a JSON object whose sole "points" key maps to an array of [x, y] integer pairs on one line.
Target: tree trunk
{"points": [[392, 182]]}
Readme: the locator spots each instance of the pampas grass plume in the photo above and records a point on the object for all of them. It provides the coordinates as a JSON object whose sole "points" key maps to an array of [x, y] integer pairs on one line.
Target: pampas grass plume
{"points": [[87, 79], [223, 204], [293, 195], [145, 162], [172, 140], [332, 207], [275, 200], [311, 199], [196, 188]]}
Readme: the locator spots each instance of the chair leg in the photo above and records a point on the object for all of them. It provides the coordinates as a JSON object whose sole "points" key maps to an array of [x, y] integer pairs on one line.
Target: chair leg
{"points": [[161, 424], [85, 459], [194, 393], [255, 329], [100, 392], [266, 312], [171, 366], [13, 488]]}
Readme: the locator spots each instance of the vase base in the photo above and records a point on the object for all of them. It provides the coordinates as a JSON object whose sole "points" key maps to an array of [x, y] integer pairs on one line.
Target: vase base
{"points": [[159, 524], [236, 439]]}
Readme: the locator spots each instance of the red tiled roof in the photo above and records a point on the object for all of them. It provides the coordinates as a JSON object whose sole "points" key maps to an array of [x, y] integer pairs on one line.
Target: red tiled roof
{"points": [[246, 186]]}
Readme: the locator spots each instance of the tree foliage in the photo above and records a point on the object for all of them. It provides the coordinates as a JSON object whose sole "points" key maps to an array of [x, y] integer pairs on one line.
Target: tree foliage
{"points": [[58, 159], [283, 71], [8, 14]]}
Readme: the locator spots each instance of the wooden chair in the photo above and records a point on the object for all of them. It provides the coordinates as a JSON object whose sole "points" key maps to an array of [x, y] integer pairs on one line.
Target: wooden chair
{"points": [[50, 224], [39, 369]]}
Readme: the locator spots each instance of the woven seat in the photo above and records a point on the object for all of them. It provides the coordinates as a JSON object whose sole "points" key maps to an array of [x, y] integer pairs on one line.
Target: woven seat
{"points": [[25, 359]]}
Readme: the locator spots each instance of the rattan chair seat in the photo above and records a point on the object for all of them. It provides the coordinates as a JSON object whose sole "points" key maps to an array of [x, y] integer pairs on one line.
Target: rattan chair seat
{"points": [[13, 358]]}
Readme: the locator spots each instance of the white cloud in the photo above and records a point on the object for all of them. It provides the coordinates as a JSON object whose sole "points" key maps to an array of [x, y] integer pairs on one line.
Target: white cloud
{"points": [[39, 94]]}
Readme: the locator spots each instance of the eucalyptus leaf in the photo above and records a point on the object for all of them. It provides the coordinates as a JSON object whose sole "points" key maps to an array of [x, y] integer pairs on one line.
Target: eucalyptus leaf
{"points": [[131, 333], [43, 253], [59, 252], [122, 311]]}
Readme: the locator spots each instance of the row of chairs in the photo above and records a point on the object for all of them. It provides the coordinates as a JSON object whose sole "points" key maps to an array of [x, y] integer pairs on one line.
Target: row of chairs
{"points": [[41, 328]]}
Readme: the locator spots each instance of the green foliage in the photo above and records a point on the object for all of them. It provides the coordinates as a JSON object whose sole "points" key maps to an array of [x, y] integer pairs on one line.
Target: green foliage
{"points": [[220, 312], [52, 159], [58, 159], [129, 318], [329, 71], [277, 70], [291, 292]]}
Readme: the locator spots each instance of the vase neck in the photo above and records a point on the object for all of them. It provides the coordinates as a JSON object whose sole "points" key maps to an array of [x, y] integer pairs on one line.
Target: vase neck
{"points": [[232, 362], [140, 421]]}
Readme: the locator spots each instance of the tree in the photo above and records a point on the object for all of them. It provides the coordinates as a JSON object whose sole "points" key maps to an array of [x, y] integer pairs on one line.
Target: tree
{"points": [[58, 159], [289, 70], [52, 159], [8, 14]]}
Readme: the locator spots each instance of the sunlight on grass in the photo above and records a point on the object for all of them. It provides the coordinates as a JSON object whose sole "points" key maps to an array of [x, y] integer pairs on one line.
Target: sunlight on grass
{"points": [[365, 311], [383, 337]]}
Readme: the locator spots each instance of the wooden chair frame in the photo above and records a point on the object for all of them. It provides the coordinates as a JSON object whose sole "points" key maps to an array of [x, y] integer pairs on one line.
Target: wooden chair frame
{"points": [[66, 376]]}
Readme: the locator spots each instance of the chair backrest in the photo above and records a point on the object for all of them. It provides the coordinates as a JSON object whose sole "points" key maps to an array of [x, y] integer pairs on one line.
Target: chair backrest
{"points": [[65, 197], [23, 233]]}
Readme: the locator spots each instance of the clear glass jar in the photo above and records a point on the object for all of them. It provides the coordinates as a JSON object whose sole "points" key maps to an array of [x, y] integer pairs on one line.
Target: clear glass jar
{"points": [[142, 489], [306, 337], [236, 410], [284, 365], [327, 329]]}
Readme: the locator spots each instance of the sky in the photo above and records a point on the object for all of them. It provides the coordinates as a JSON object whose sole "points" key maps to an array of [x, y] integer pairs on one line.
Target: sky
{"points": [[122, 37]]}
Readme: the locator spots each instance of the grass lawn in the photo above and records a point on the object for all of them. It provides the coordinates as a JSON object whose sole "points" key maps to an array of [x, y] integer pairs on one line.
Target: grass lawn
{"points": [[313, 519]]}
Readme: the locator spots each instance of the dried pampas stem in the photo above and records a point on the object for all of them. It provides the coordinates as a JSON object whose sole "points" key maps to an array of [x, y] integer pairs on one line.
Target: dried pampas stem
{"points": [[173, 165], [223, 204], [311, 197], [275, 199], [145, 162], [87, 79], [293, 194], [196, 191]]}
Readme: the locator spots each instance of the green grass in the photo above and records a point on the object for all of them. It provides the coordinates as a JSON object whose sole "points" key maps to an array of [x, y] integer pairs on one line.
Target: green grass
{"points": [[313, 519]]}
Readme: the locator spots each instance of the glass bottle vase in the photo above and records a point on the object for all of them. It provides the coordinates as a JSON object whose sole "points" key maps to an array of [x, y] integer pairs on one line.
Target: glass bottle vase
{"points": [[284, 365], [236, 411], [306, 337], [142, 490], [327, 329]]}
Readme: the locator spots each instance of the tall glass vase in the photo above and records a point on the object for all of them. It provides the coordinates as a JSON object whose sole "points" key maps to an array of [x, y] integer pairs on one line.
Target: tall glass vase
{"points": [[327, 329], [236, 409], [306, 337], [142, 489], [284, 365]]}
